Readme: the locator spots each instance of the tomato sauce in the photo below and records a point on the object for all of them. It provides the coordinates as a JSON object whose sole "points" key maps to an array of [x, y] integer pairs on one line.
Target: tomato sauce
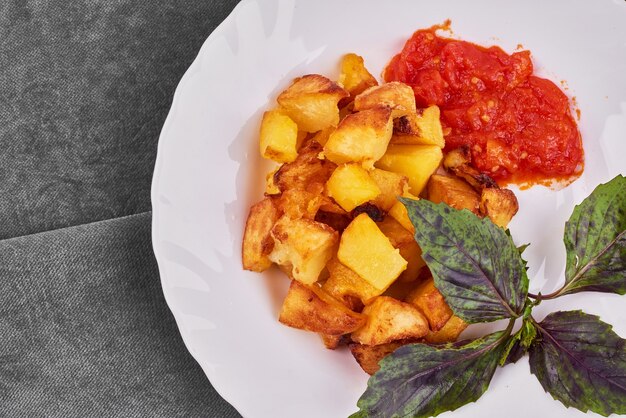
{"points": [[518, 126]]}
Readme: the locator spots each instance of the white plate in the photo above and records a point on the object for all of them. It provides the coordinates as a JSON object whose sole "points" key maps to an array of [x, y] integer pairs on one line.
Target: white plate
{"points": [[208, 173]]}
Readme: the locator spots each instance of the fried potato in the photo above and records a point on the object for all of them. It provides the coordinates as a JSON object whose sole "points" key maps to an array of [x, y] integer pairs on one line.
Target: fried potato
{"points": [[345, 285], [448, 333], [361, 137], [298, 203], [350, 185], [404, 241], [257, 240], [368, 252], [333, 342], [458, 161], [304, 244], [388, 320], [270, 187], [431, 303], [310, 308], [400, 214], [279, 137], [500, 205], [306, 172], [354, 77], [399, 97], [369, 356], [417, 162], [321, 137], [391, 186], [311, 102], [422, 128], [453, 191]]}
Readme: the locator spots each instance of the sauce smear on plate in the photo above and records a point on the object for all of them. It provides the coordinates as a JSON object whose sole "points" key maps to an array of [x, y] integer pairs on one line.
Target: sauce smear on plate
{"points": [[519, 127]]}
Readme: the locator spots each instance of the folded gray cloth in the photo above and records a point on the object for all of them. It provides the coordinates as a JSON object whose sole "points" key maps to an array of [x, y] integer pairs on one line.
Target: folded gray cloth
{"points": [[85, 331], [84, 90]]}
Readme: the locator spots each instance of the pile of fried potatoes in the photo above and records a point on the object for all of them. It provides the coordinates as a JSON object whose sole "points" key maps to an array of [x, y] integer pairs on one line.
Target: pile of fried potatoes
{"points": [[331, 220]]}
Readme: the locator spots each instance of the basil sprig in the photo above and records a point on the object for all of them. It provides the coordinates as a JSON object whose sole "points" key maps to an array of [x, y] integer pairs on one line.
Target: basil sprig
{"points": [[577, 358]]}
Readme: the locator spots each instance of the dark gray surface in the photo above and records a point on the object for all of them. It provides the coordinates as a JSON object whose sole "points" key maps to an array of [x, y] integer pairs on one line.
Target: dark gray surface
{"points": [[85, 330], [84, 89], [85, 86]]}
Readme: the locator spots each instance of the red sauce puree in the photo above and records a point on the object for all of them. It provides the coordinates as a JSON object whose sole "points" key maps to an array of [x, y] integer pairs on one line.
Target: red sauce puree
{"points": [[519, 127]]}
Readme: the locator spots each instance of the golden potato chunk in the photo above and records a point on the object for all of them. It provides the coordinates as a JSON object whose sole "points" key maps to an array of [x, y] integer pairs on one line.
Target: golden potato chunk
{"points": [[306, 172], [419, 128], [279, 137], [309, 308], [391, 186], [345, 285], [257, 241], [305, 245], [388, 320], [431, 303], [500, 205], [350, 185], [361, 137], [354, 77], [368, 252], [399, 213], [298, 203], [417, 162], [448, 333], [322, 136], [453, 191], [311, 101], [399, 97], [368, 356], [404, 241]]}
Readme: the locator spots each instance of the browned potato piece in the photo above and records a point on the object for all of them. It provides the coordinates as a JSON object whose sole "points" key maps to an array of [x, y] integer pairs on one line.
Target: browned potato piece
{"points": [[306, 171], [391, 186], [270, 187], [399, 213], [336, 221], [361, 137], [454, 192], [403, 240], [257, 241], [304, 244], [500, 205], [298, 203], [334, 341], [431, 303], [389, 320], [322, 136], [311, 309], [311, 102], [399, 97], [448, 333], [354, 77], [368, 356], [458, 161], [422, 128], [345, 285]]}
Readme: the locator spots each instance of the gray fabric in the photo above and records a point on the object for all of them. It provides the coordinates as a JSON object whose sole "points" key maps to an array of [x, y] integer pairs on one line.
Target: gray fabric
{"points": [[85, 331], [85, 86]]}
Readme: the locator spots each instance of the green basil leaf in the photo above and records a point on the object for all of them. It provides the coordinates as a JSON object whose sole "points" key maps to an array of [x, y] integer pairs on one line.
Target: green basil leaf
{"points": [[419, 380], [581, 362], [595, 240], [475, 264]]}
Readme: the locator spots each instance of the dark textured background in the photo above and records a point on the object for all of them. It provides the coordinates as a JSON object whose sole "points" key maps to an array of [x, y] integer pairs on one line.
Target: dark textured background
{"points": [[84, 89]]}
